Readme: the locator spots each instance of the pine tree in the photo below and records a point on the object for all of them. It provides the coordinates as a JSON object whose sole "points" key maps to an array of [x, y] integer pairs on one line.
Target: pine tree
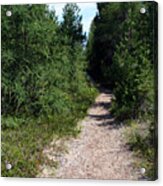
{"points": [[71, 25], [107, 30]]}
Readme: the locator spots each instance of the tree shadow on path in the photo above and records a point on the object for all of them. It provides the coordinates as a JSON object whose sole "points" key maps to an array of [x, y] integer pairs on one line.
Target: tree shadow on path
{"points": [[101, 114]]}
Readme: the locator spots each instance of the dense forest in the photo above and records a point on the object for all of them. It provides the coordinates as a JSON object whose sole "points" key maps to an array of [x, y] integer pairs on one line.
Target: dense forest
{"points": [[47, 74]]}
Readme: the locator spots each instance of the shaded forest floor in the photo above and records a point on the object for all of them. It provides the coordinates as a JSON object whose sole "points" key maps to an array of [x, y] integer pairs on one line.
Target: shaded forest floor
{"points": [[99, 152]]}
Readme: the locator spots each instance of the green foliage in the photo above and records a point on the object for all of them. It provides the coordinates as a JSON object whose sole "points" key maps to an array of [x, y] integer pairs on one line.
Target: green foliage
{"points": [[139, 139], [105, 32], [45, 89], [134, 85], [71, 25], [23, 146]]}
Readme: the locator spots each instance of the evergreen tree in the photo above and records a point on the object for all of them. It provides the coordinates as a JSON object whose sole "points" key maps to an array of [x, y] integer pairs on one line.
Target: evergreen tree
{"points": [[107, 30], [71, 25]]}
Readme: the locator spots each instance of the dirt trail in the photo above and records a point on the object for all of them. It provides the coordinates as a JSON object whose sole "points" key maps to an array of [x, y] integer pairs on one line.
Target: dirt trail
{"points": [[99, 152]]}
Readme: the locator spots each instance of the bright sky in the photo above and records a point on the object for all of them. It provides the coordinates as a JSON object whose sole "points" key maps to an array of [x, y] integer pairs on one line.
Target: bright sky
{"points": [[87, 10]]}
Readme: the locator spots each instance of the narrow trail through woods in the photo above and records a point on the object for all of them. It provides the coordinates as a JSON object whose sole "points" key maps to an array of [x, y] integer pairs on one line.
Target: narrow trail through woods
{"points": [[99, 152]]}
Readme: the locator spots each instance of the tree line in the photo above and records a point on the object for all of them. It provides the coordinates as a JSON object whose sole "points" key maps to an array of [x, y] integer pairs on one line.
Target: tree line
{"points": [[43, 63]]}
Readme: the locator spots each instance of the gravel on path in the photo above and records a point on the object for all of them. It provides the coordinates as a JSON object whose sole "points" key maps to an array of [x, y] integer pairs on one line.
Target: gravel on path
{"points": [[99, 152]]}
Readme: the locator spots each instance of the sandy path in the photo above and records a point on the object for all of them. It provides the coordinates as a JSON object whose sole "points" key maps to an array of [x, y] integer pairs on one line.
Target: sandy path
{"points": [[99, 152]]}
